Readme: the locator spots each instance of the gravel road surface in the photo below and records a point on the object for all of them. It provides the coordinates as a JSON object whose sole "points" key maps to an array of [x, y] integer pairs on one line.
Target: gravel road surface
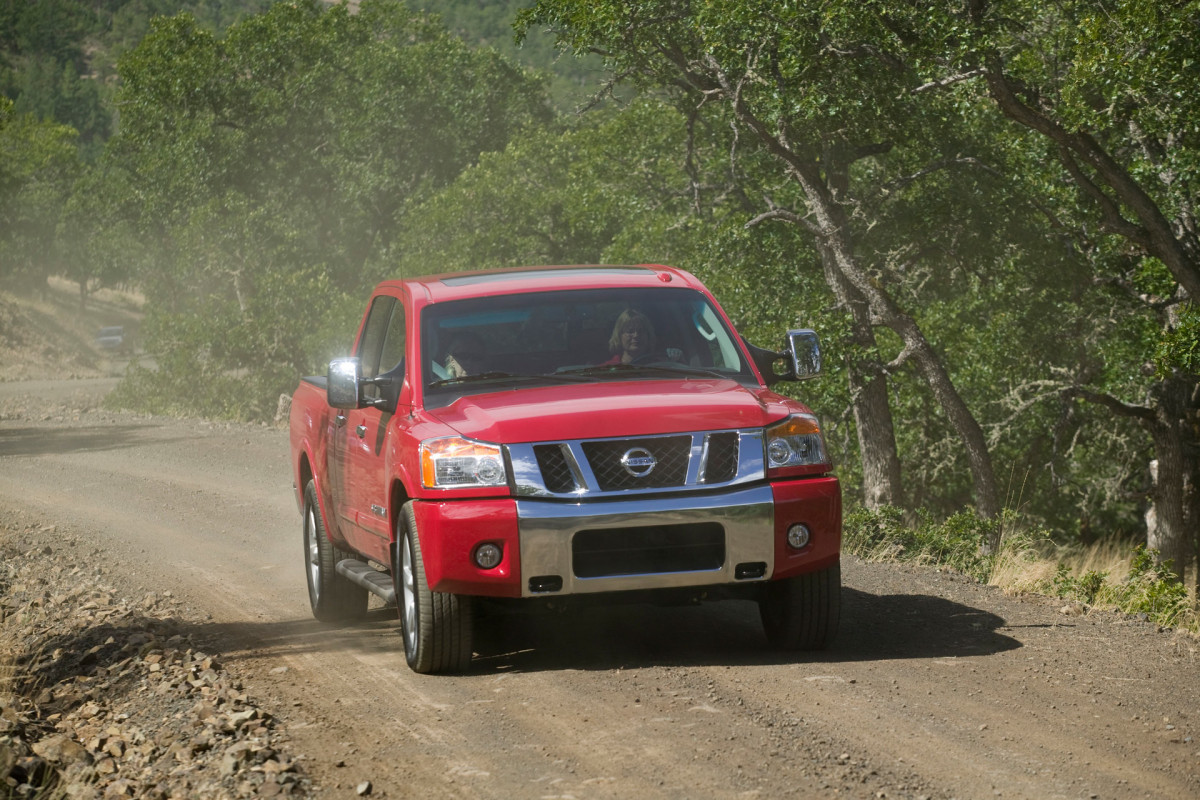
{"points": [[936, 687]]}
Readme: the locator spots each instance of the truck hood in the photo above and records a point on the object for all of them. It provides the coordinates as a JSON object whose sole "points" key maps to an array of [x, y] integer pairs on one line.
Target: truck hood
{"points": [[601, 410]]}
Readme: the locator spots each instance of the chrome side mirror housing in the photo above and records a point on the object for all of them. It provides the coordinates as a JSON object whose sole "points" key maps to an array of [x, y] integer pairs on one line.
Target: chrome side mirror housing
{"points": [[805, 350], [343, 386]]}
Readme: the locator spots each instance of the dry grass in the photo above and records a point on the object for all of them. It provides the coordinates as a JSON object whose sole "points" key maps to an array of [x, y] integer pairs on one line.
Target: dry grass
{"points": [[1109, 574], [1034, 569]]}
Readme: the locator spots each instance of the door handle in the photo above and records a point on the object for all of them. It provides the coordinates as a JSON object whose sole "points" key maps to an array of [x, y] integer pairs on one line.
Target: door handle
{"points": [[361, 430], [339, 420]]}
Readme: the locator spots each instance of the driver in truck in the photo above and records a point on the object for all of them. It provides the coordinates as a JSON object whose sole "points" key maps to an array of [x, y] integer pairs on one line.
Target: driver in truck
{"points": [[632, 338], [465, 355]]}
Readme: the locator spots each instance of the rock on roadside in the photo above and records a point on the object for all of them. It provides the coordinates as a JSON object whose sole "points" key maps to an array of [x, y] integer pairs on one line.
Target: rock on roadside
{"points": [[106, 697]]}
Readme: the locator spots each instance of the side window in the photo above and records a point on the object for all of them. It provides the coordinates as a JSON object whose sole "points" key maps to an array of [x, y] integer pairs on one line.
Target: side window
{"points": [[393, 343], [371, 346], [383, 342]]}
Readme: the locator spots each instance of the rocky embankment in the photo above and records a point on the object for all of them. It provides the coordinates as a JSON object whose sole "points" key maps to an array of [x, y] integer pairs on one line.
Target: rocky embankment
{"points": [[106, 697]]}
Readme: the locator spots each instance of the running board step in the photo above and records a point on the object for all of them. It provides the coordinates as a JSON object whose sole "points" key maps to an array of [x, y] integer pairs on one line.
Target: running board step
{"points": [[371, 579]]}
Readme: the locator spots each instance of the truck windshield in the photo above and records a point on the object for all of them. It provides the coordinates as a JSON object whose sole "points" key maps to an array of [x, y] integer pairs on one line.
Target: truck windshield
{"points": [[511, 341]]}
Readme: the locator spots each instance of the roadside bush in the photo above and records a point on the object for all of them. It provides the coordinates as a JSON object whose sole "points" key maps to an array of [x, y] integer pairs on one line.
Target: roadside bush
{"points": [[957, 542], [1027, 560], [1151, 590], [1083, 588], [187, 387]]}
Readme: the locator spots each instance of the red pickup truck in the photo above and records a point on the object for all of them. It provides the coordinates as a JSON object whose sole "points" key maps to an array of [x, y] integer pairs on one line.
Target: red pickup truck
{"points": [[563, 433]]}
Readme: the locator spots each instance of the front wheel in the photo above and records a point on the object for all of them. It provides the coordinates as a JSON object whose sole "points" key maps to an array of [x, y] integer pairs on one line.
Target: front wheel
{"points": [[436, 625], [803, 613], [333, 597]]}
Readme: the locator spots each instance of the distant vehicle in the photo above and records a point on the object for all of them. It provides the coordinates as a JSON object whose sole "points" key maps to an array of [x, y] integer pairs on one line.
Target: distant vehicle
{"points": [[112, 339]]}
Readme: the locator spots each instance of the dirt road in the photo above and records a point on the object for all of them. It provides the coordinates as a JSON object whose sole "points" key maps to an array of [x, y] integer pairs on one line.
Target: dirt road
{"points": [[936, 687]]}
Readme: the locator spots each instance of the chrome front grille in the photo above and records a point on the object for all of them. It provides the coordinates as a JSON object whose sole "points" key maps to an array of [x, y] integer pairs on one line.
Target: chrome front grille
{"points": [[721, 458], [664, 462], [622, 466], [556, 471]]}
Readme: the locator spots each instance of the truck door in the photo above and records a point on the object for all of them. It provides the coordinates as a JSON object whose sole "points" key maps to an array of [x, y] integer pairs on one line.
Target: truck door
{"points": [[359, 435]]}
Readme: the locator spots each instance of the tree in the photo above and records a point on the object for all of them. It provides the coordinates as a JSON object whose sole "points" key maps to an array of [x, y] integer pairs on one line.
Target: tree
{"points": [[554, 196], [796, 81], [861, 103], [96, 231], [38, 164], [1107, 86], [272, 168], [1111, 91]]}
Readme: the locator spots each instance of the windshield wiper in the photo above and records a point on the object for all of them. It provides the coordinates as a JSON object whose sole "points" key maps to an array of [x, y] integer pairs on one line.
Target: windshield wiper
{"points": [[484, 377], [625, 369], [478, 377]]}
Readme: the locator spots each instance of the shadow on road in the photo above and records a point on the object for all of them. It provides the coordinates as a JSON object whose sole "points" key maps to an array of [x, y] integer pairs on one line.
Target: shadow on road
{"points": [[873, 627]]}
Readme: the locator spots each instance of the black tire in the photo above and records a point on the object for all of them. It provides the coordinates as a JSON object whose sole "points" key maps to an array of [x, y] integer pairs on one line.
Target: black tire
{"points": [[803, 613], [436, 626], [333, 597]]}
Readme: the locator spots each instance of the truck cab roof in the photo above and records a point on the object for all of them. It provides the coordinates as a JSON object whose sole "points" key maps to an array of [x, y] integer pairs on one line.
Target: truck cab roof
{"points": [[520, 280]]}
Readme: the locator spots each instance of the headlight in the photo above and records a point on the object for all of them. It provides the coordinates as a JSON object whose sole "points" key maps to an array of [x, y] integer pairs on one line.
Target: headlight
{"points": [[795, 442], [454, 462]]}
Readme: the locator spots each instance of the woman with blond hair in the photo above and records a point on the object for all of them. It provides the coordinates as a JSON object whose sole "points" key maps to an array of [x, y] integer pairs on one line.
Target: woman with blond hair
{"points": [[632, 338]]}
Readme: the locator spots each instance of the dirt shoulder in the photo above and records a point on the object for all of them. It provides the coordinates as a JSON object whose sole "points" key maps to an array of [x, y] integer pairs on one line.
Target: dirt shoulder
{"points": [[104, 695]]}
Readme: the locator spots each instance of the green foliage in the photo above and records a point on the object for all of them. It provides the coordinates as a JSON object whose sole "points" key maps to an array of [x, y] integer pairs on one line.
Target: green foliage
{"points": [[274, 167], [1025, 263], [553, 196], [38, 165], [957, 542], [1083, 588], [1179, 347], [573, 82], [1149, 590]]}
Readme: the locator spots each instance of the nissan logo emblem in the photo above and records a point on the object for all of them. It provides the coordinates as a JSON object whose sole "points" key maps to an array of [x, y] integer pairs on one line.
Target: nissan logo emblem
{"points": [[638, 462]]}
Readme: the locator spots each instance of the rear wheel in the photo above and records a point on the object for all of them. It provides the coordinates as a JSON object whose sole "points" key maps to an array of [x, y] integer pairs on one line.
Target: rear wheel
{"points": [[436, 625], [802, 613], [333, 597]]}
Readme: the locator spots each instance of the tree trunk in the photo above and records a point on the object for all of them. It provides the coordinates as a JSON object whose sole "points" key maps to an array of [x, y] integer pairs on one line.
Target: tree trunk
{"points": [[1174, 441], [832, 227], [1167, 535], [1191, 517], [881, 475], [1175, 505]]}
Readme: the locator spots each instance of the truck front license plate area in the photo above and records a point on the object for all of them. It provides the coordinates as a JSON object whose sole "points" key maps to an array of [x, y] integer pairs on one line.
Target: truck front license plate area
{"points": [[646, 543], [648, 550]]}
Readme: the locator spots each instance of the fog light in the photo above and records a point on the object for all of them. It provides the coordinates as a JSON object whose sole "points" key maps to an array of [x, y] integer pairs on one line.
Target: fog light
{"points": [[487, 556], [798, 536]]}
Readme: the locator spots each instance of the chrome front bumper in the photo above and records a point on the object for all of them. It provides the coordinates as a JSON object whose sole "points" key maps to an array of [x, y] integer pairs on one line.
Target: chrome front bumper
{"points": [[547, 530]]}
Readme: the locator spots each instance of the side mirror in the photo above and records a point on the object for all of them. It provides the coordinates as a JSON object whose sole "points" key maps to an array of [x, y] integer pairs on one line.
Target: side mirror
{"points": [[805, 350], [798, 361], [342, 387]]}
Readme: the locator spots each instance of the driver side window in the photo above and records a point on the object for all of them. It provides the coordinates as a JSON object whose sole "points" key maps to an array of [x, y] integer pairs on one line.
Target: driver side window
{"points": [[382, 348]]}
